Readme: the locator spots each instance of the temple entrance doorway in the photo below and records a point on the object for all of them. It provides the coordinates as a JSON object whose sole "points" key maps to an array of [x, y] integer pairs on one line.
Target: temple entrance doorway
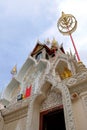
{"points": [[52, 119]]}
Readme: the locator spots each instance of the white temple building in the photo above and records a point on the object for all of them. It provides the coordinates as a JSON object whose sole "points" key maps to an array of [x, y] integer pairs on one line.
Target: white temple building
{"points": [[48, 93]]}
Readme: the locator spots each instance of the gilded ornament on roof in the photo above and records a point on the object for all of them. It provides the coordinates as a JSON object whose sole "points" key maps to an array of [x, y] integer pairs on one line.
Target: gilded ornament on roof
{"points": [[54, 43]]}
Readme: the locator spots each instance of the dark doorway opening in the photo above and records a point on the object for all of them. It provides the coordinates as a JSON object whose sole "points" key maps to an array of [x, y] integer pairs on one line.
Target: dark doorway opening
{"points": [[53, 120]]}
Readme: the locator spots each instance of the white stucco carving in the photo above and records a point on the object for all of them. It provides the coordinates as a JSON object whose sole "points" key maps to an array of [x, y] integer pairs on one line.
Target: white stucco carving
{"points": [[53, 99], [48, 90]]}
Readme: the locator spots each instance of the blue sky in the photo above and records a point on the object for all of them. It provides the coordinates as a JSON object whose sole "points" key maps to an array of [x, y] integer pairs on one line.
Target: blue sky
{"points": [[23, 22]]}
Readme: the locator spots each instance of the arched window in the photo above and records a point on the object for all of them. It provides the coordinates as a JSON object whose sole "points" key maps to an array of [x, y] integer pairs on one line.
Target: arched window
{"points": [[39, 56], [47, 57]]}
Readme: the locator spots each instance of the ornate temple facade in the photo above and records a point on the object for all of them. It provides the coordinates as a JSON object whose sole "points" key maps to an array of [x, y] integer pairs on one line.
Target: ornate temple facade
{"points": [[48, 93]]}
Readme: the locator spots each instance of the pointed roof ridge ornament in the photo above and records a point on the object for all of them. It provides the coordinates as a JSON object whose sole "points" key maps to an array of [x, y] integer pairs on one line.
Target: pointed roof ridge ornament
{"points": [[54, 43], [47, 41], [71, 52], [38, 41], [62, 48], [54, 40], [14, 70]]}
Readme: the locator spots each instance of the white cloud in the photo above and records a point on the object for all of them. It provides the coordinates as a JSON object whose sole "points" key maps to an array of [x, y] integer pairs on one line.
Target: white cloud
{"points": [[26, 8]]}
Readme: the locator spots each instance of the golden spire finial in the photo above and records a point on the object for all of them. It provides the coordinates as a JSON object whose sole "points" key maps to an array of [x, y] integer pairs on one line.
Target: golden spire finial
{"points": [[54, 43], [14, 70]]}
